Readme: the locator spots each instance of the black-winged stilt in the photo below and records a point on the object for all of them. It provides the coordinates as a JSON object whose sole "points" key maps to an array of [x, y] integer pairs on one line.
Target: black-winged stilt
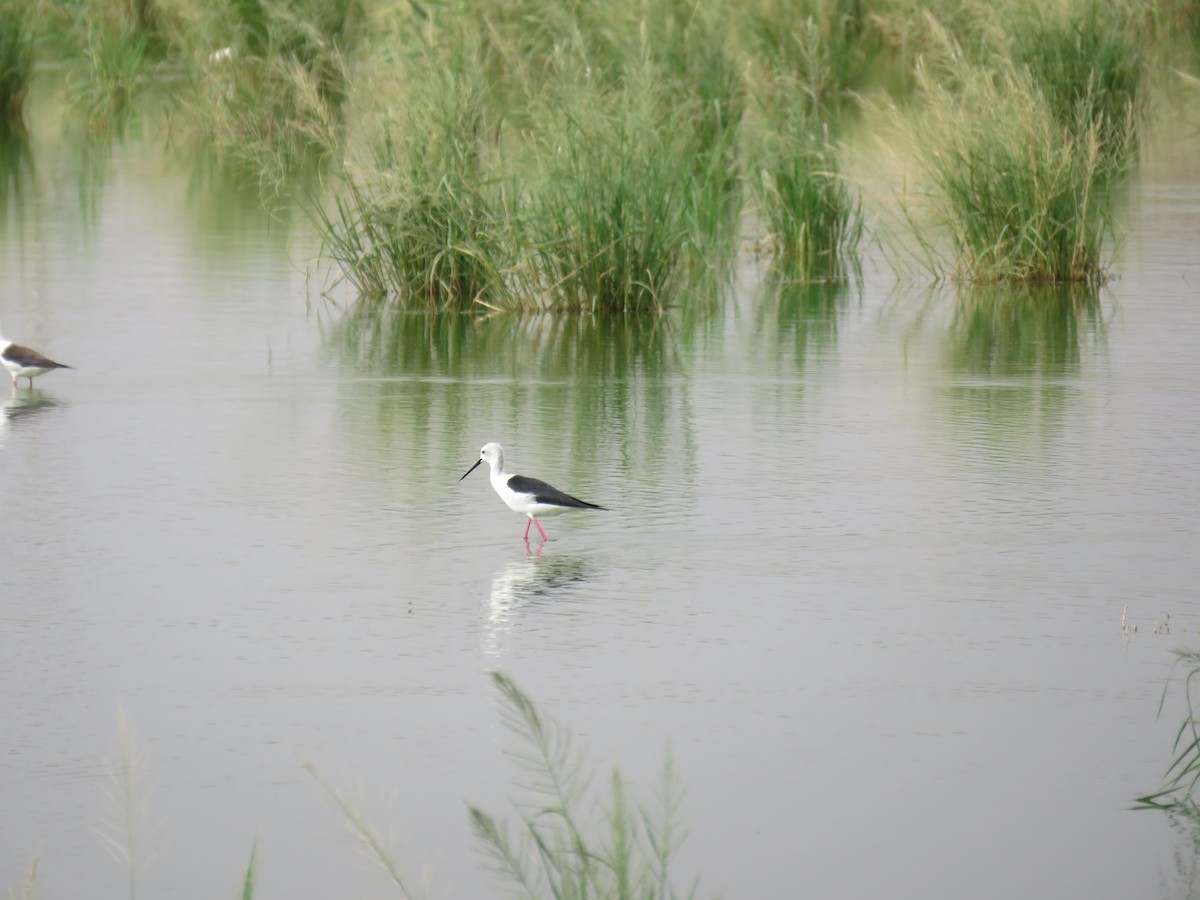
{"points": [[25, 363], [527, 496]]}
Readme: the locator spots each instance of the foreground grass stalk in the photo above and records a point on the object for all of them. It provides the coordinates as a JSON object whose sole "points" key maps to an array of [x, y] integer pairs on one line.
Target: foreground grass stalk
{"points": [[365, 833], [124, 826], [553, 852], [28, 888], [1177, 792]]}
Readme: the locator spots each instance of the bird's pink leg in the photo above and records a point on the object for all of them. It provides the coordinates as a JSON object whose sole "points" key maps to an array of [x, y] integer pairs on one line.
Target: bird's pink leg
{"points": [[539, 527], [527, 524]]}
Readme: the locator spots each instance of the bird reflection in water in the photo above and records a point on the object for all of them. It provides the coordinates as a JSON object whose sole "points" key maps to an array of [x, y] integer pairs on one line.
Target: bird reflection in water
{"points": [[527, 587], [22, 408]]}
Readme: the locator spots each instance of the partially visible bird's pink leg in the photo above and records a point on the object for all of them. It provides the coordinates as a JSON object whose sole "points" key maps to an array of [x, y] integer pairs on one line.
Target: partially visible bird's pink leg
{"points": [[539, 526], [527, 524]]}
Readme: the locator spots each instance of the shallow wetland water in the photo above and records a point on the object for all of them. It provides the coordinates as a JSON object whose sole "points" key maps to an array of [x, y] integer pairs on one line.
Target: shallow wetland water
{"points": [[865, 572]]}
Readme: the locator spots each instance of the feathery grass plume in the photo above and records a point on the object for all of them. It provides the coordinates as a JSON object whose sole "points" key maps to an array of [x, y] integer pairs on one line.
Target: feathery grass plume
{"points": [[1022, 197], [16, 58], [1177, 792], [913, 29], [28, 888], [125, 828], [822, 48], [552, 852], [366, 835]]}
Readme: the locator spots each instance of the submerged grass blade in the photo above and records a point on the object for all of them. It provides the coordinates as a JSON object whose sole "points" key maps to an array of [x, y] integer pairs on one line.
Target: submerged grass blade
{"points": [[248, 878]]}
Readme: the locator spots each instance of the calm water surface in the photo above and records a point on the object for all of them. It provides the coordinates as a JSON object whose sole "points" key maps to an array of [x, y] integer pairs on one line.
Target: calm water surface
{"points": [[864, 573]]}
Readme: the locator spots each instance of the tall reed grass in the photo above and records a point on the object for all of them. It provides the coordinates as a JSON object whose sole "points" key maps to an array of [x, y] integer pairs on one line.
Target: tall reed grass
{"points": [[593, 190], [607, 215], [427, 223], [536, 155], [688, 60], [1087, 61]]}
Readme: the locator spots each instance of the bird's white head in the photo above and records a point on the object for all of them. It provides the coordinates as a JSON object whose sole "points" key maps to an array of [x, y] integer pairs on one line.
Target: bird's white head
{"points": [[492, 454]]}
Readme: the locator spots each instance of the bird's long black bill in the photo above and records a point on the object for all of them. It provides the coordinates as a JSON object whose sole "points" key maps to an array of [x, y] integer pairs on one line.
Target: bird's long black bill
{"points": [[472, 469]]}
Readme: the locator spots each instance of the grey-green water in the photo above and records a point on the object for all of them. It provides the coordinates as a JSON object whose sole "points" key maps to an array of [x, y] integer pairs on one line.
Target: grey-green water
{"points": [[865, 570]]}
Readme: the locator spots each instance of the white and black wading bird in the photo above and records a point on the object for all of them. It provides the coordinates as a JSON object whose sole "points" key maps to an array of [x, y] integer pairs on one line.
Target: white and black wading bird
{"points": [[22, 362], [528, 496]]}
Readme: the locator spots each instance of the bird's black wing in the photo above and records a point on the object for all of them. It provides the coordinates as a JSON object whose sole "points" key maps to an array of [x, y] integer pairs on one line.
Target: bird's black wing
{"points": [[30, 359], [545, 493]]}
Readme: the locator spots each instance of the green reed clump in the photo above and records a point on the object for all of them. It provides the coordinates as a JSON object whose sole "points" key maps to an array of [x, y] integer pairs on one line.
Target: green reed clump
{"points": [[426, 240], [677, 55], [686, 51], [607, 218], [16, 57], [1023, 197], [1088, 63], [426, 223], [813, 217]]}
